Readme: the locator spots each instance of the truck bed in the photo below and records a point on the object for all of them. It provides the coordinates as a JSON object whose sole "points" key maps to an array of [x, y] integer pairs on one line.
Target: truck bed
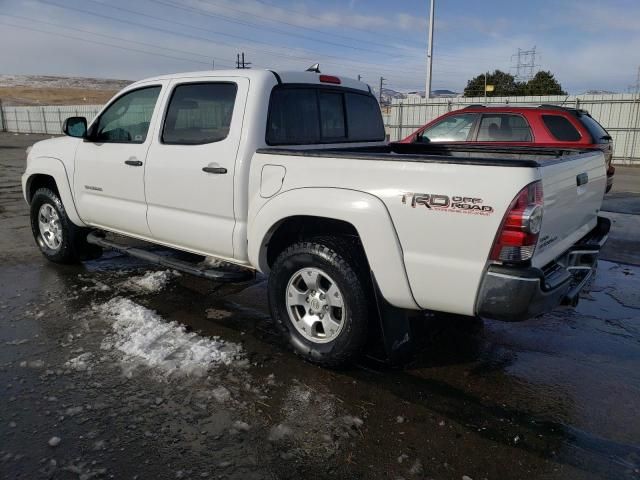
{"points": [[516, 156]]}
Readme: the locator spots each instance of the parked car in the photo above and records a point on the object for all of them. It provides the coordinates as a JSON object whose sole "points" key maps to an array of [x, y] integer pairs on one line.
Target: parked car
{"points": [[542, 126], [287, 173]]}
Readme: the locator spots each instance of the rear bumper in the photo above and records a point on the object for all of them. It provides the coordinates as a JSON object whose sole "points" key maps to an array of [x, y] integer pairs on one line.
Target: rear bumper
{"points": [[611, 171], [516, 293]]}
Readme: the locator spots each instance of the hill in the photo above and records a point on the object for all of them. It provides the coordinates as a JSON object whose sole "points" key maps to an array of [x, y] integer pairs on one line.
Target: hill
{"points": [[53, 90]]}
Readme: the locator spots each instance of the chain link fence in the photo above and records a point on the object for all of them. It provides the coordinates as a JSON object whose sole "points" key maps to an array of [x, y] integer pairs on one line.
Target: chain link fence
{"points": [[46, 119]]}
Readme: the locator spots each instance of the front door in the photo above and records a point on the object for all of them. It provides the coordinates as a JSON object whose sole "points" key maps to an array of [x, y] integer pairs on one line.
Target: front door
{"points": [[191, 163], [110, 164]]}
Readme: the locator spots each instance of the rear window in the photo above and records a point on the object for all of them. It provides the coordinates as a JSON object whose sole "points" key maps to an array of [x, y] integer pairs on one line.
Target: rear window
{"points": [[300, 115], [561, 128], [599, 134], [504, 128]]}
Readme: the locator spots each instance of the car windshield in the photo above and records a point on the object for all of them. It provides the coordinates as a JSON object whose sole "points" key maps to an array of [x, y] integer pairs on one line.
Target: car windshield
{"points": [[454, 128]]}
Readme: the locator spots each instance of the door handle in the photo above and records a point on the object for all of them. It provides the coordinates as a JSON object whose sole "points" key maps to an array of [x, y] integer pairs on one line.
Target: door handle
{"points": [[218, 170], [582, 179], [133, 163]]}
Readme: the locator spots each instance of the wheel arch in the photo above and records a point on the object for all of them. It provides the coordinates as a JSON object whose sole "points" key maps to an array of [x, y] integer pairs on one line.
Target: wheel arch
{"points": [[48, 172], [280, 221]]}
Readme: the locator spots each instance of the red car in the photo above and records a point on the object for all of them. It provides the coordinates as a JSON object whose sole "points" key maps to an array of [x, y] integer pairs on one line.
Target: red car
{"points": [[541, 126]]}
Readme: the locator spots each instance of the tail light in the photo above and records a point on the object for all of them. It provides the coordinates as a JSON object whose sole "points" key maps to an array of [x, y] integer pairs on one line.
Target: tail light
{"points": [[518, 235]]}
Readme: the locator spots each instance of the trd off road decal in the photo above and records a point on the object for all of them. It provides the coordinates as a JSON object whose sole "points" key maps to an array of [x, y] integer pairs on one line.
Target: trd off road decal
{"points": [[446, 203]]}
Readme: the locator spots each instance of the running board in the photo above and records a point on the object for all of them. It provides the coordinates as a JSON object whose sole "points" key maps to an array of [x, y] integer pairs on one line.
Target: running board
{"points": [[240, 275]]}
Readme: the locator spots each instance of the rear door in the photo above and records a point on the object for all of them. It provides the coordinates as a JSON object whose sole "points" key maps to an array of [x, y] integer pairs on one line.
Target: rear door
{"points": [[191, 165], [504, 128], [573, 189]]}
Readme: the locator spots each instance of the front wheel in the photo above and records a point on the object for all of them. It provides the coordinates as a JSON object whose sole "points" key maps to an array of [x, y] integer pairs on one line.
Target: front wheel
{"points": [[318, 298], [59, 240]]}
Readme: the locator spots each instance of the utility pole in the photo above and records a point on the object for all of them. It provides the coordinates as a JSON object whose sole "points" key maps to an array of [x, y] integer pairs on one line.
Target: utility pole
{"points": [[213, 64], [240, 63], [485, 87], [359, 77], [382, 79], [430, 51]]}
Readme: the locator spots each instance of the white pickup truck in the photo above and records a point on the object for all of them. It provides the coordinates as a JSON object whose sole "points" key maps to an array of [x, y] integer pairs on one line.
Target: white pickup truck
{"points": [[289, 174]]}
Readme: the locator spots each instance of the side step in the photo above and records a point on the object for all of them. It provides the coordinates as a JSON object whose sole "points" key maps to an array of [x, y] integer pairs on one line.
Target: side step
{"points": [[240, 275]]}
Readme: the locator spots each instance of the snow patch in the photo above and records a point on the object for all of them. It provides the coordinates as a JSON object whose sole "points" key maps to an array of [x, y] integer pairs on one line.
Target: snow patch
{"points": [[145, 338], [150, 282], [81, 363]]}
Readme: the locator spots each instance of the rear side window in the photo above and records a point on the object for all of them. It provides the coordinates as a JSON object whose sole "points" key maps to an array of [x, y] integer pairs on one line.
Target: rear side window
{"points": [[597, 131], [504, 128], [561, 128], [454, 128], [199, 113], [301, 116]]}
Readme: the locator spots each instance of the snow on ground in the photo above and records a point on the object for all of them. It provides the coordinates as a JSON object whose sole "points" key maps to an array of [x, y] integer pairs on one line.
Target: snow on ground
{"points": [[150, 282], [146, 339]]}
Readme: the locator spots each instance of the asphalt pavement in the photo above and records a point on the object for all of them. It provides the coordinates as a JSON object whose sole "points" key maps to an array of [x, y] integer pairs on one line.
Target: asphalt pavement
{"points": [[114, 369]]}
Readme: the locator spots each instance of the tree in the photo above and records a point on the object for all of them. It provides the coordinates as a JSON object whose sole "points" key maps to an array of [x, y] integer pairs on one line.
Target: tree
{"points": [[504, 85], [543, 83]]}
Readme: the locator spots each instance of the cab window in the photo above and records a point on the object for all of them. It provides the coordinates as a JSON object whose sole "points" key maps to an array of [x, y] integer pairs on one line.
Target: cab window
{"points": [[504, 128], [454, 128], [199, 113], [127, 119]]}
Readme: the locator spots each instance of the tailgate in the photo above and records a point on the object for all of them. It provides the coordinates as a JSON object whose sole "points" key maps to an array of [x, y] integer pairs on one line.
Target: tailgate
{"points": [[573, 190]]}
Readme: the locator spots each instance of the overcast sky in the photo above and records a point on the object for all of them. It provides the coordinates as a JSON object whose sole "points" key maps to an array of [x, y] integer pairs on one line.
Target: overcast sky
{"points": [[588, 44]]}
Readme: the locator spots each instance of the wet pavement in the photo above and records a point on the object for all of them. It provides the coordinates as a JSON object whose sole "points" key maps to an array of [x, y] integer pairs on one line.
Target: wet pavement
{"points": [[112, 369]]}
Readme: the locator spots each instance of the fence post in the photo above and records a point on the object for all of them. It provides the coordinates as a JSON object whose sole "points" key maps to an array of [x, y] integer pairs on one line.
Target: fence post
{"points": [[3, 117], [44, 122], [400, 116], [60, 118], [29, 120], [15, 114]]}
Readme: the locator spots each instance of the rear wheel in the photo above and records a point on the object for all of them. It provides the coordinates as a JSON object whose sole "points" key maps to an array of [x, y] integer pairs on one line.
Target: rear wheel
{"points": [[57, 237], [318, 298]]}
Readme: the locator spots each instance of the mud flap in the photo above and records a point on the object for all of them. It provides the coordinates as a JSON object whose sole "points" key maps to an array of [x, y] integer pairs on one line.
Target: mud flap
{"points": [[391, 339]]}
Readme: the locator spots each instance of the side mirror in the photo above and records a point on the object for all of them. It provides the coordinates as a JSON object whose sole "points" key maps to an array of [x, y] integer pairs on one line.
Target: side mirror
{"points": [[75, 127]]}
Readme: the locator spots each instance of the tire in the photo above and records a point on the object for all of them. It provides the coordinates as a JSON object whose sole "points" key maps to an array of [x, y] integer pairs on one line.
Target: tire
{"points": [[58, 239], [338, 338]]}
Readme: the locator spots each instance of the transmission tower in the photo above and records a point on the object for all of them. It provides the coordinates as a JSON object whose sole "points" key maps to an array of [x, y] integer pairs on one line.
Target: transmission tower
{"points": [[525, 64]]}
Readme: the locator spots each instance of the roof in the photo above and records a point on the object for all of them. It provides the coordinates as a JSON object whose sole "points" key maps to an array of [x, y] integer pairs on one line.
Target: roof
{"points": [[261, 76], [515, 106]]}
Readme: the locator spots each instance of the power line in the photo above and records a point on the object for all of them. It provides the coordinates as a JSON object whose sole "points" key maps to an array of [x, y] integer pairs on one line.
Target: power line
{"points": [[343, 62], [208, 13], [91, 32], [102, 43], [228, 19], [377, 33]]}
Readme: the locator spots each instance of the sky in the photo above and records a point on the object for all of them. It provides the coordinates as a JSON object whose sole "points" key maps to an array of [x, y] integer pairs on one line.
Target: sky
{"points": [[587, 44]]}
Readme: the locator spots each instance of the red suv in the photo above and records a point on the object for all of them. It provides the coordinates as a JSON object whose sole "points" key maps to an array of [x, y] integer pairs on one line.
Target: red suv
{"points": [[542, 126]]}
